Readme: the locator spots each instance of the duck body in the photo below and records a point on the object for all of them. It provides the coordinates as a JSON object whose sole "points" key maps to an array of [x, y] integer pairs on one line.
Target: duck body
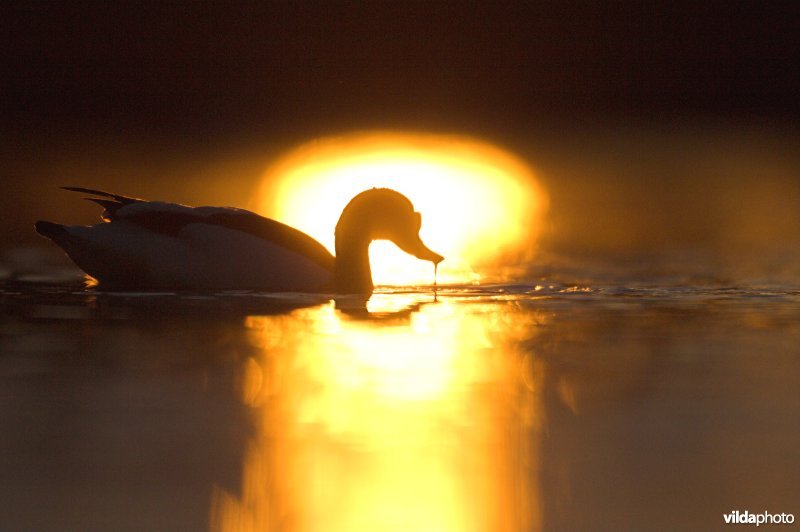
{"points": [[157, 245]]}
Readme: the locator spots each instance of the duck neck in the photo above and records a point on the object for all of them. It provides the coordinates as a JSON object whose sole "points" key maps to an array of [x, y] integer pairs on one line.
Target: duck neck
{"points": [[352, 272]]}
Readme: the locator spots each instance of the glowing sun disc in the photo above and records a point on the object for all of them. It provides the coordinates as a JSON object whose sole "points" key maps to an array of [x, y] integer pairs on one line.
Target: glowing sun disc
{"points": [[480, 205]]}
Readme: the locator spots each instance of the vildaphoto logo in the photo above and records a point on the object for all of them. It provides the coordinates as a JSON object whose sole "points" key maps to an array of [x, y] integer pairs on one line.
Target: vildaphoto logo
{"points": [[765, 518]]}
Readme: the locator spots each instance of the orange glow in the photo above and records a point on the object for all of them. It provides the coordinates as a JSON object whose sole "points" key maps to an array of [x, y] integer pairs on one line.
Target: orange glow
{"points": [[479, 204], [407, 424]]}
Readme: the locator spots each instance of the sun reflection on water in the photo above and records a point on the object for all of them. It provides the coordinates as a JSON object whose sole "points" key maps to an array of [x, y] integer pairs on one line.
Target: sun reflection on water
{"points": [[407, 423], [480, 204]]}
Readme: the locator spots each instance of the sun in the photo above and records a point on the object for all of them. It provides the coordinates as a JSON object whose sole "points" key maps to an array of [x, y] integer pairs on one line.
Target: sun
{"points": [[480, 204]]}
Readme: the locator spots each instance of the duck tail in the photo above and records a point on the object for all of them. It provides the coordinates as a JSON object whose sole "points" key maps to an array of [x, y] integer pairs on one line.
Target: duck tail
{"points": [[51, 230]]}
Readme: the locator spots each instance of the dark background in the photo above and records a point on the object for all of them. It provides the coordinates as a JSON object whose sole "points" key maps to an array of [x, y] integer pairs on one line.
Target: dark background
{"points": [[219, 68], [635, 115]]}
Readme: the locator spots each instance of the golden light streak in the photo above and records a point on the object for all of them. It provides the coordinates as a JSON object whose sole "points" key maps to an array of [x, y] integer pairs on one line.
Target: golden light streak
{"points": [[480, 204], [411, 424]]}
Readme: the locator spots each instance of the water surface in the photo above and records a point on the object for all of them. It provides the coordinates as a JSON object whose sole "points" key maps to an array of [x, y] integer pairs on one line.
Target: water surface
{"points": [[504, 407]]}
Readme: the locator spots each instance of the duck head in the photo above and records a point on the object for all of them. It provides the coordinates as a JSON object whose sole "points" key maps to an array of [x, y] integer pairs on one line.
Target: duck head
{"points": [[375, 214]]}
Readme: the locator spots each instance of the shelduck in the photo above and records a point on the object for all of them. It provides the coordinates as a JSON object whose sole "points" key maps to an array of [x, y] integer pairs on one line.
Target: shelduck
{"points": [[156, 245]]}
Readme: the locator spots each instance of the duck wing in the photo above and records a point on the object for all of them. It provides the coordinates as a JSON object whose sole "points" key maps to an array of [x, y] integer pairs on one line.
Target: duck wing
{"points": [[171, 219], [272, 231], [125, 200], [111, 205]]}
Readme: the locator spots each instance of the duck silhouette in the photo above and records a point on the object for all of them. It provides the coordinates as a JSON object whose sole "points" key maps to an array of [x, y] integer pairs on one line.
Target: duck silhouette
{"points": [[157, 245]]}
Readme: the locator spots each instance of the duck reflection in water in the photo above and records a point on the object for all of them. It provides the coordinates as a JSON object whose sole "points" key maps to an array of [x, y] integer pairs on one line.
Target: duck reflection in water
{"points": [[405, 418], [157, 245]]}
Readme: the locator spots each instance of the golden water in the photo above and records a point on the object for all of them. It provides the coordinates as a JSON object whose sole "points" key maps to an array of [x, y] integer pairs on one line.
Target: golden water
{"points": [[413, 423], [506, 408]]}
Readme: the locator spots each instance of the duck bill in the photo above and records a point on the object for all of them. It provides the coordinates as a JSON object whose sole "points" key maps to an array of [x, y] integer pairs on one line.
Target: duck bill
{"points": [[415, 246]]}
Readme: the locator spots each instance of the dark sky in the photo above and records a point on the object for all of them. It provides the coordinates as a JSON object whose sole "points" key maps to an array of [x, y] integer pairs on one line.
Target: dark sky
{"points": [[189, 101], [200, 69]]}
